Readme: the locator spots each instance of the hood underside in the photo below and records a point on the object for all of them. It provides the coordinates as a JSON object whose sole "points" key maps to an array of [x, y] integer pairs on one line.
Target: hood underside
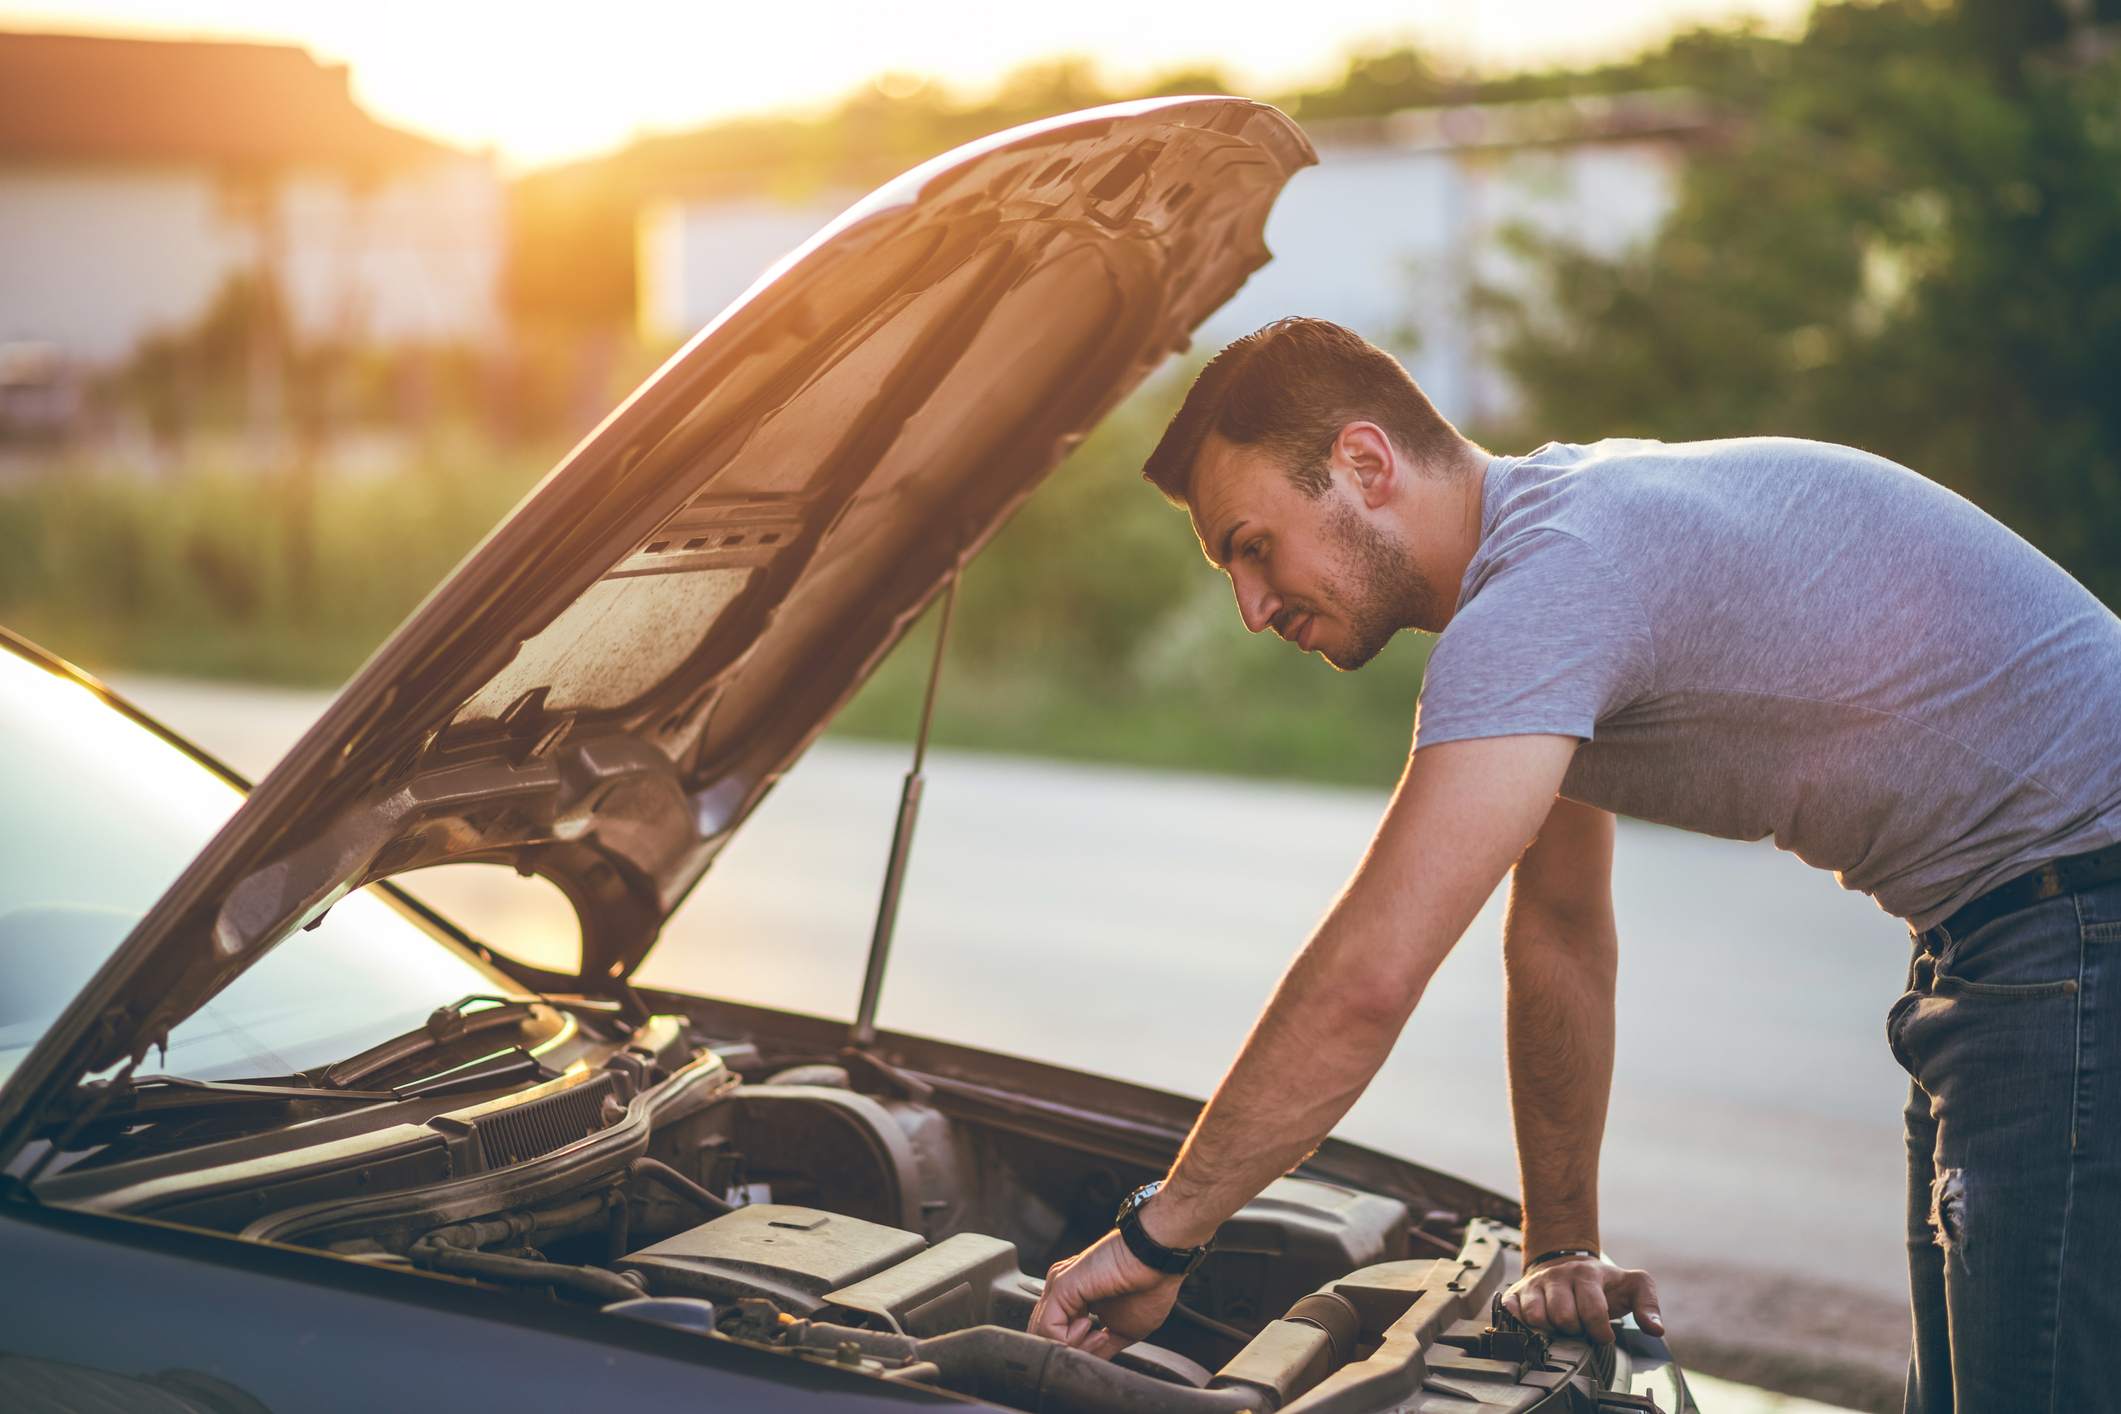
{"points": [[610, 683]]}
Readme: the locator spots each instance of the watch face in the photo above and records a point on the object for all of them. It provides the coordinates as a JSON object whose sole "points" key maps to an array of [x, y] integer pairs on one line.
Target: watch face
{"points": [[1133, 1201]]}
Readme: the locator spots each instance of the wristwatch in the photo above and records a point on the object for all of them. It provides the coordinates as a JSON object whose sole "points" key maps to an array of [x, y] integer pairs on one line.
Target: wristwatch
{"points": [[1171, 1261]]}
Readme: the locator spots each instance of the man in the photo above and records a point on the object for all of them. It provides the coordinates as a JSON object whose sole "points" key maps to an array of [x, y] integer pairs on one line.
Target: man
{"points": [[1747, 638]]}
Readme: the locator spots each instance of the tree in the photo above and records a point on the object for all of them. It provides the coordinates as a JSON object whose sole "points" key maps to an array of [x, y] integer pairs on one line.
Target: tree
{"points": [[1909, 244]]}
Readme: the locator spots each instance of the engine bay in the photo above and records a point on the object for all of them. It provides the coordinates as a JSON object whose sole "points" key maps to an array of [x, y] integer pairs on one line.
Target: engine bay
{"points": [[847, 1209]]}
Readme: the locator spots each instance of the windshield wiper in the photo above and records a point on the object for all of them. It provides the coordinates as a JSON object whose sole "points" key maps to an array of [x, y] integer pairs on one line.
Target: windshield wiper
{"points": [[485, 1073], [125, 1100], [154, 1097], [151, 1098], [444, 1027]]}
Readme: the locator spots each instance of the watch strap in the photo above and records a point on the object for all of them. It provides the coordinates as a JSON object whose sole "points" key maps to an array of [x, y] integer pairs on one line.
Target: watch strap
{"points": [[1171, 1261], [1558, 1253]]}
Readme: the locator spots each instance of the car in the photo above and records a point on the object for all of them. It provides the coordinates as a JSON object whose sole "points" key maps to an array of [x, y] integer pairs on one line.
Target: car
{"points": [[275, 1135]]}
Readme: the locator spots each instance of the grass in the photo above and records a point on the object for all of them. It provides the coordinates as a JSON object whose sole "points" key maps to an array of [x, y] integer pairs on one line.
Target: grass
{"points": [[214, 573]]}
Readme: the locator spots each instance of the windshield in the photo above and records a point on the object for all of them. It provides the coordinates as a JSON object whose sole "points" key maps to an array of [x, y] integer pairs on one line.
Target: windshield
{"points": [[98, 815]]}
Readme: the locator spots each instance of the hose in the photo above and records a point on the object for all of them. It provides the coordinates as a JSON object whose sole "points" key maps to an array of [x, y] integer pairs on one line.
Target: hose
{"points": [[484, 1232], [1031, 1372], [1287, 1358], [662, 1174], [1200, 1320], [1027, 1371], [599, 1286], [455, 1248]]}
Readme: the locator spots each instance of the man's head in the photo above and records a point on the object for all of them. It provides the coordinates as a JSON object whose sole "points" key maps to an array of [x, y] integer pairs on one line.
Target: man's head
{"points": [[1324, 483]]}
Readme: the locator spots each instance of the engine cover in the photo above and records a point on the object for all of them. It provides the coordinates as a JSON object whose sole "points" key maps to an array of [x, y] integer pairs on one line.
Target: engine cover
{"points": [[1295, 1234], [789, 1255]]}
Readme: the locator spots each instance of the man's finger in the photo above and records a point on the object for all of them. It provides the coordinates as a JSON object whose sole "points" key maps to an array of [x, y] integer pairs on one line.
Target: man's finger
{"points": [[1532, 1306], [1046, 1317], [1107, 1343], [1591, 1309], [1638, 1290], [1561, 1307], [1056, 1314]]}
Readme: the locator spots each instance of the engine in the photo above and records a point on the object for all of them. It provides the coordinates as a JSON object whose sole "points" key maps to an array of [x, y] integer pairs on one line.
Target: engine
{"points": [[883, 1228], [888, 1221]]}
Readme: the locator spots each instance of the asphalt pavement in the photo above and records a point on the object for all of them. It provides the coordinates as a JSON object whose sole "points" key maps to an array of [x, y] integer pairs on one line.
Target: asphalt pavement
{"points": [[1133, 922]]}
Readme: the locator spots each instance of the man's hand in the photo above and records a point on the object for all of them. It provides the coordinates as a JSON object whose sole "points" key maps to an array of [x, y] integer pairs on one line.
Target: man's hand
{"points": [[1103, 1299], [1584, 1296]]}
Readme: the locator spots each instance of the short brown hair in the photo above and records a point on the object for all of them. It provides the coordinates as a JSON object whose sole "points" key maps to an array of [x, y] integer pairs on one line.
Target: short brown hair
{"points": [[1290, 388]]}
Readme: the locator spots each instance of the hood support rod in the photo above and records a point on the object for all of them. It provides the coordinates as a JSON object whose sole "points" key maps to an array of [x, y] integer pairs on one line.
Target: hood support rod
{"points": [[909, 810]]}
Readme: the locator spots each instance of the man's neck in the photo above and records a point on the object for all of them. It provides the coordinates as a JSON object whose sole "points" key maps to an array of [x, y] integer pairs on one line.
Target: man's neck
{"points": [[1452, 535]]}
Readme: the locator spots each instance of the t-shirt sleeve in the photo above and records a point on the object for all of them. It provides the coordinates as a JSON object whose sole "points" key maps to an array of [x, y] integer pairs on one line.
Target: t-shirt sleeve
{"points": [[1550, 641]]}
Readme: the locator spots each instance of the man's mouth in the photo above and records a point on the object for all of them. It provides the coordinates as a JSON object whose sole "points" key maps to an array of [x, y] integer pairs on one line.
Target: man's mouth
{"points": [[1296, 627]]}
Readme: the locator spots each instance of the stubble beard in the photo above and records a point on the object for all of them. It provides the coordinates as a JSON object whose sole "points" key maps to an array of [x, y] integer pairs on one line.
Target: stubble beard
{"points": [[1383, 591]]}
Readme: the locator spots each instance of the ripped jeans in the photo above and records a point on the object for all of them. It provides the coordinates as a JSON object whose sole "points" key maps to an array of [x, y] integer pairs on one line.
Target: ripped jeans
{"points": [[2012, 1035]]}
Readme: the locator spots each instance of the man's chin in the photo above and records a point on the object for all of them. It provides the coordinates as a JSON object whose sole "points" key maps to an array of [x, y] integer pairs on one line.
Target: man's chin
{"points": [[1348, 659], [1343, 663]]}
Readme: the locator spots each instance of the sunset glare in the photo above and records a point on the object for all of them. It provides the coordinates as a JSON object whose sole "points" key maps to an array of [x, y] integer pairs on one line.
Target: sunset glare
{"points": [[541, 83]]}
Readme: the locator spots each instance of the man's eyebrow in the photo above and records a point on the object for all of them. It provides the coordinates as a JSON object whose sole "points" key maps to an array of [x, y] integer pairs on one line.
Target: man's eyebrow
{"points": [[1228, 536]]}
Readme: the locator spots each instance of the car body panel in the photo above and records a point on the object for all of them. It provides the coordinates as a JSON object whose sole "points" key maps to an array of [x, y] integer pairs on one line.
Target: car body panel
{"points": [[128, 1313], [609, 684]]}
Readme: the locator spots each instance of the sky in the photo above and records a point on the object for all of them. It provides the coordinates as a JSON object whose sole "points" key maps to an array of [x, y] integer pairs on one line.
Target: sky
{"points": [[539, 82]]}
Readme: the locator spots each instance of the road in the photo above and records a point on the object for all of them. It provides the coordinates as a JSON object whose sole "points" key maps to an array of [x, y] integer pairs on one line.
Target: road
{"points": [[1133, 922]]}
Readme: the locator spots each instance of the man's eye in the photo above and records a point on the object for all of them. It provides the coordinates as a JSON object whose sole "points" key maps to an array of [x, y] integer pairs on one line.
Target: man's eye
{"points": [[1254, 550]]}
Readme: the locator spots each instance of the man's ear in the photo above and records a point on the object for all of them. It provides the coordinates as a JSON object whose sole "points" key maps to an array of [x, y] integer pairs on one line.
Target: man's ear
{"points": [[1371, 460]]}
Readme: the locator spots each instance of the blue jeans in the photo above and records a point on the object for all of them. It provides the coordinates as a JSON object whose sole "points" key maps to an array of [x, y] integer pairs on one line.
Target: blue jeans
{"points": [[2012, 1034]]}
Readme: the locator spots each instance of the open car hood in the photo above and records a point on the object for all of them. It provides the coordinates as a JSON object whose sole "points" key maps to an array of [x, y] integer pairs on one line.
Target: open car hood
{"points": [[610, 683]]}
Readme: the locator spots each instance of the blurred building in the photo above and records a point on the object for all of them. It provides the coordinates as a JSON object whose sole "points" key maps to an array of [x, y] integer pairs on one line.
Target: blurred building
{"points": [[693, 257], [140, 180], [1405, 219]]}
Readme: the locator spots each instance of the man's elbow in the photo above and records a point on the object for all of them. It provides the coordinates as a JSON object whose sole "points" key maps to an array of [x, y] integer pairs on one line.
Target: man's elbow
{"points": [[1375, 1002], [1541, 953], [1530, 933], [1538, 925]]}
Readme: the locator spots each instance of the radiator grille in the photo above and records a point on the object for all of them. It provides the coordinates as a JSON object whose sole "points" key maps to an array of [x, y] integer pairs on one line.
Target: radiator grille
{"points": [[525, 1131]]}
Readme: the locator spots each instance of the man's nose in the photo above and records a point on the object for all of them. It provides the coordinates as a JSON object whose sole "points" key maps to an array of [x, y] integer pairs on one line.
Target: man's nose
{"points": [[1256, 603]]}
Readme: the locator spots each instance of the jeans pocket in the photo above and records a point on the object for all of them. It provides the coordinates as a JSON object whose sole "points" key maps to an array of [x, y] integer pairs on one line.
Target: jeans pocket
{"points": [[2023, 956], [1894, 1020], [1948, 986]]}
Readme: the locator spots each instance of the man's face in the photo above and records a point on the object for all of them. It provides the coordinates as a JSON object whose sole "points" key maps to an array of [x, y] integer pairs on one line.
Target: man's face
{"points": [[1327, 573]]}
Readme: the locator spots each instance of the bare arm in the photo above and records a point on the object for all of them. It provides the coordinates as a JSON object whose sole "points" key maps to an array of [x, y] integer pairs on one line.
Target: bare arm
{"points": [[1560, 956], [1463, 813]]}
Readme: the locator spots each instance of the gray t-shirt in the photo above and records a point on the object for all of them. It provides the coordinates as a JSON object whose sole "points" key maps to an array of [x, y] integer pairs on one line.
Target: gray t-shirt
{"points": [[1767, 636]]}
